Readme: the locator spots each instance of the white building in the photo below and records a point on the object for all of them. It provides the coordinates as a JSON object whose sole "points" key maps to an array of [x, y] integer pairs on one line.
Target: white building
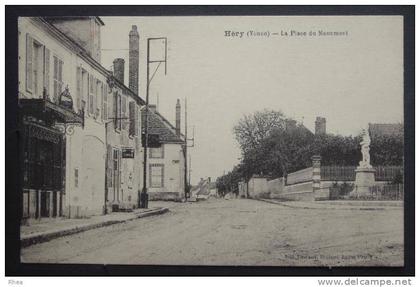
{"points": [[166, 164], [65, 98]]}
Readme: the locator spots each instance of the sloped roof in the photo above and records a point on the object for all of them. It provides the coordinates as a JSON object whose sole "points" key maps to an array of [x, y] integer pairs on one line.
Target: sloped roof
{"points": [[157, 124]]}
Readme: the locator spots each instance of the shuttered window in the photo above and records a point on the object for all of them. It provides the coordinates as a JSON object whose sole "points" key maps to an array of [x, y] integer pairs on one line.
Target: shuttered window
{"points": [[37, 67]]}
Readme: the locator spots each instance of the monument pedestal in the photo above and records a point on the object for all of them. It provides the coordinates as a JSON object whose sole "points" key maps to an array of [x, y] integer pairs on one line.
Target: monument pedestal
{"points": [[365, 178]]}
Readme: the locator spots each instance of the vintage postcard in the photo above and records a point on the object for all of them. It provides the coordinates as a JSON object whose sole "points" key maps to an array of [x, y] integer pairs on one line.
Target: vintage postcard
{"points": [[273, 140]]}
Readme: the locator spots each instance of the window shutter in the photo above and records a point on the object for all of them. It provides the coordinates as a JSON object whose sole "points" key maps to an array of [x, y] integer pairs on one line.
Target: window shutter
{"points": [[94, 92], [131, 111], [136, 120], [55, 75], [105, 102], [79, 87], [115, 112], [60, 77], [109, 166], [90, 94], [110, 102], [29, 68], [124, 111], [47, 70]]}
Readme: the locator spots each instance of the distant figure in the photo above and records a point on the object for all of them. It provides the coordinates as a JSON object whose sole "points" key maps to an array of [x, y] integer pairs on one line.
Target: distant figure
{"points": [[365, 163]]}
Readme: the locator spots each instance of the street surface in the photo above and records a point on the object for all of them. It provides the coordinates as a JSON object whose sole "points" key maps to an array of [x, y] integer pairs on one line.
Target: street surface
{"points": [[237, 232]]}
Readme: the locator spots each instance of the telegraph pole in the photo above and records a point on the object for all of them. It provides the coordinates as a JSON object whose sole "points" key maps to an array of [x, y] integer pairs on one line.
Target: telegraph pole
{"points": [[187, 187], [186, 146], [143, 198]]}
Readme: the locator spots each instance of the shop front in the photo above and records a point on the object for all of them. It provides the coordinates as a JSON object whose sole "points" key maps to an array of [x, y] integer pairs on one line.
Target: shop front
{"points": [[44, 128]]}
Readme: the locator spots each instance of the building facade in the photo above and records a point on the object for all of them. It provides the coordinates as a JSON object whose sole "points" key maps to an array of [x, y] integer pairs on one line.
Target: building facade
{"points": [[68, 102], [166, 168], [81, 125]]}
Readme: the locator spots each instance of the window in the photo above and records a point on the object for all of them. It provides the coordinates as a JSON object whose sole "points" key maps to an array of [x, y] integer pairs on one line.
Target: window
{"points": [[85, 89], [76, 177], [156, 152], [124, 111], [92, 87], [117, 111], [104, 103], [79, 95], [97, 99], [58, 78], [37, 67], [156, 175], [37, 87]]}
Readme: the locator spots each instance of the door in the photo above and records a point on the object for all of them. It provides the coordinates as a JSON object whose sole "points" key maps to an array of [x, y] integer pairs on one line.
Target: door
{"points": [[45, 204]]}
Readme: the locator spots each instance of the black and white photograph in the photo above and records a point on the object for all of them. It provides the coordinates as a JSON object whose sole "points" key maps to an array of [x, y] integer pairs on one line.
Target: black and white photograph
{"points": [[213, 140]]}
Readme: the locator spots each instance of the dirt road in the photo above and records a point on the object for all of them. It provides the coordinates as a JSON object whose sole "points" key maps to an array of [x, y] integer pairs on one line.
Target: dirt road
{"points": [[237, 232]]}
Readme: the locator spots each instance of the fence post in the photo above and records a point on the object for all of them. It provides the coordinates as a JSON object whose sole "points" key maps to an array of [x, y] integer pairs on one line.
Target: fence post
{"points": [[316, 172]]}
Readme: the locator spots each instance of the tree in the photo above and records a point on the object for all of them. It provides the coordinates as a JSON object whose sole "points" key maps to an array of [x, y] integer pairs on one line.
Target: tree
{"points": [[253, 128], [274, 145]]}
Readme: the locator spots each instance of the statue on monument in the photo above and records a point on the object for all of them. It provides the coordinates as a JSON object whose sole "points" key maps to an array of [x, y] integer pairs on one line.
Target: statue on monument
{"points": [[365, 143]]}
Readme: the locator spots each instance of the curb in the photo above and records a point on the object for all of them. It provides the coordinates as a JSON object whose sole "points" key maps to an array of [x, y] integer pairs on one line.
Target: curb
{"points": [[365, 208], [35, 238]]}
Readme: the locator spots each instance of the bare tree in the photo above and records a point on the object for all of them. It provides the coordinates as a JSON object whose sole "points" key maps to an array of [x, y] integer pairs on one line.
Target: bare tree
{"points": [[252, 129]]}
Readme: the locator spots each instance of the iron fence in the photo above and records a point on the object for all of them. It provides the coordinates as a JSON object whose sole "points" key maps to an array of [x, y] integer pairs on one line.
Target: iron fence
{"points": [[347, 173], [338, 173], [387, 192]]}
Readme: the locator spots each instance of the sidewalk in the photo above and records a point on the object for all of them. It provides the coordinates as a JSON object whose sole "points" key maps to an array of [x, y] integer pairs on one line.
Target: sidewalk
{"points": [[339, 204], [48, 229]]}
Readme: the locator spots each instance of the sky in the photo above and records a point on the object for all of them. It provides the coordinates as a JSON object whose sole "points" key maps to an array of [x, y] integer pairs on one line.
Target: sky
{"points": [[350, 80]]}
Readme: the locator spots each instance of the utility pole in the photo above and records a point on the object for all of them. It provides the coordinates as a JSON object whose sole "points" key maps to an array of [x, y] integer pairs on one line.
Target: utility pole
{"points": [[143, 198], [186, 146], [187, 187]]}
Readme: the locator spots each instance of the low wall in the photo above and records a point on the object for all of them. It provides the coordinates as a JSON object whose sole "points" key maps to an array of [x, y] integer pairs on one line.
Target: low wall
{"points": [[299, 176], [298, 196], [258, 188], [275, 187]]}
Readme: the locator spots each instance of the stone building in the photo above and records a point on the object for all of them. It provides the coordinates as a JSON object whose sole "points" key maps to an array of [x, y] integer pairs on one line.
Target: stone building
{"points": [[66, 98], [124, 151], [166, 169]]}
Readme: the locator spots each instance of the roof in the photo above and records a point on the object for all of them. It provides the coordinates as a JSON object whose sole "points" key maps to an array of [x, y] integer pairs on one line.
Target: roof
{"points": [[386, 129], [97, 18], [157, 124]]}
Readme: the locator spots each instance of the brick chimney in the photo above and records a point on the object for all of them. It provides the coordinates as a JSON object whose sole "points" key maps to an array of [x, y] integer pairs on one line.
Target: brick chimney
{"points": [[133, 61], [119, 69], [178, 118], [320, 126]]}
